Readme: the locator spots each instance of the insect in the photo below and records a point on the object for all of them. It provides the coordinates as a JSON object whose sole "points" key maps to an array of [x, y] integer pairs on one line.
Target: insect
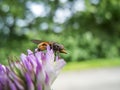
{"points": [[42, 45]]}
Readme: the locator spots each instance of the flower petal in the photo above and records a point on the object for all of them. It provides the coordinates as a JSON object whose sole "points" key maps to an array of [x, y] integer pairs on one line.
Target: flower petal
{"points": [[30, 84], [59, 64]]}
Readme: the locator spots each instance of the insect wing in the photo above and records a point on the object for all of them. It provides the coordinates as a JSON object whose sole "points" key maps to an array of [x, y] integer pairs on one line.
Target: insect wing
{"points": [[37, 41]]}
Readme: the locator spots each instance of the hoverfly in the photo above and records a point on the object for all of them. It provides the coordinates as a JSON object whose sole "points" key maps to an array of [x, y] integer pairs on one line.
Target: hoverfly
{"points": [[42, 45]]}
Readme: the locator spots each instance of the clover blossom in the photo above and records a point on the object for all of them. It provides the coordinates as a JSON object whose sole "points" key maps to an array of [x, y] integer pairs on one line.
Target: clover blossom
{"points": [[34, 71]]}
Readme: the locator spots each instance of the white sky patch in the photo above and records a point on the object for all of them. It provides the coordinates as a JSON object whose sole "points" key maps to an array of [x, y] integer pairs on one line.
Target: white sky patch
{"points": [[79, 5], [61, 15], [21, 23], [95, 1], [63, 1], [38, 9], [44, 26], [57, 29]]}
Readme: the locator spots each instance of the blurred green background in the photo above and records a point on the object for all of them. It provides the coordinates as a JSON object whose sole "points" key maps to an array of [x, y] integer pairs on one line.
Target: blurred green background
{"points": [[89, 29]]}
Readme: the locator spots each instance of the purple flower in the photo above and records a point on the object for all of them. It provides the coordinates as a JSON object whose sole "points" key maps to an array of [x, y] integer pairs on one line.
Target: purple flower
{"points": [[34, 71]]}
